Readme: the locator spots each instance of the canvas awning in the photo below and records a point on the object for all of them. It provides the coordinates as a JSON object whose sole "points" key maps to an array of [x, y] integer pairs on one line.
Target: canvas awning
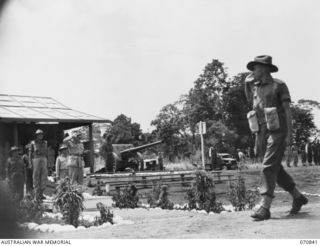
{"points": [[41, 109]]}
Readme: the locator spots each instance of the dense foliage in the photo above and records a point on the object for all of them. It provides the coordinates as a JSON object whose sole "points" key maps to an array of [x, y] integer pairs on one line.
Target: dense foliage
{"points": [[126, 198], [69, 200], [202, 195], [303, 123], [124, 131], [159, 197], [97, 191], [105, 215], [241, 198], [29, 209], [219, 101]]}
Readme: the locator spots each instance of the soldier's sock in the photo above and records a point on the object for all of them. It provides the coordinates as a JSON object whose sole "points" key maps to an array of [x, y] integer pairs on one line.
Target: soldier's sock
{"points": [[295, 193], [266, 202]]}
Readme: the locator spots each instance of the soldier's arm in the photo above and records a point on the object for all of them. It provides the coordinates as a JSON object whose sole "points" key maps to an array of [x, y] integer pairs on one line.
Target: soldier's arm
{"points": [[47, 149], [285, 101], [248, 87], [287, 111], [30, 155]]}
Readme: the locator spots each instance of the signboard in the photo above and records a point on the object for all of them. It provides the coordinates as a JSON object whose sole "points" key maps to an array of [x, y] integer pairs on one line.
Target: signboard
{"points": [[202, 127], [202, 130]]}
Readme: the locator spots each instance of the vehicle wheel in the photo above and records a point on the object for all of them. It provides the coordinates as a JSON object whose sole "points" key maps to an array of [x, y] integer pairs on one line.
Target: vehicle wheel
{"points": [[224, 168]]}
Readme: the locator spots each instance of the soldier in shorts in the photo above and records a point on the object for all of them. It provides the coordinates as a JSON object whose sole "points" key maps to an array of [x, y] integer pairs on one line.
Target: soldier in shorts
{"points": [[38, 156], [271, 106], [16, 173]]}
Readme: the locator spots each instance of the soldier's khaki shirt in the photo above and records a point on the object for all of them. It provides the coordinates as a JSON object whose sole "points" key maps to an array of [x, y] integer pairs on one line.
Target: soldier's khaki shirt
{"points": [[38, 148], [270, 94]]}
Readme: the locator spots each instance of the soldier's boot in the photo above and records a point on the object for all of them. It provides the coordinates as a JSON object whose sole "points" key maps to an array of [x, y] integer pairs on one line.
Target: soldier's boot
{"points": [[261, 214], [298, 203]]}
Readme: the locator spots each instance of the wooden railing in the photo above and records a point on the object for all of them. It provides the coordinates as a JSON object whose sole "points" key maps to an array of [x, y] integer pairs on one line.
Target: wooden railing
{"points": [[146, 180]]}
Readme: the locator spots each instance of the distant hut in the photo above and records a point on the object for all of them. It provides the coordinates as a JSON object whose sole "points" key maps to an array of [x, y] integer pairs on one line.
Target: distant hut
{"points": [[20, 116]]}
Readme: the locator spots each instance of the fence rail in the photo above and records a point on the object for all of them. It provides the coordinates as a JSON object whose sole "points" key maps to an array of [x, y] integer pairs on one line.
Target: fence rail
{"points": [[146, 180]]}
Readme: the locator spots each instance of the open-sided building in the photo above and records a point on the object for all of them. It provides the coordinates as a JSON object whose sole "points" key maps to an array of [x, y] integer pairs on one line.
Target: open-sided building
{"points": [[20, 116]]}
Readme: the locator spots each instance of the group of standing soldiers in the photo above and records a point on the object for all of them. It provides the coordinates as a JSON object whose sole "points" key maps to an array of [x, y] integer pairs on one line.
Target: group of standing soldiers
{"points": [[310, 152], [31, 166]]}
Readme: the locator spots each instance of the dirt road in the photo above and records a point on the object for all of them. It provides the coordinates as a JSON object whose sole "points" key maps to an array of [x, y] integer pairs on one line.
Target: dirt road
{"points": [[182, 224]]}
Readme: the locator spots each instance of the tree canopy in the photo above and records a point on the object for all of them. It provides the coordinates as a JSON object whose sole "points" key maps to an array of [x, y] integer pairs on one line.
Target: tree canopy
{"points": [[220, 101], [124, 131]]}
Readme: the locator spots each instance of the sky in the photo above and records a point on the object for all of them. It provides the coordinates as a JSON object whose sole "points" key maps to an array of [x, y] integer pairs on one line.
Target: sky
{"points": [[107, 57]]}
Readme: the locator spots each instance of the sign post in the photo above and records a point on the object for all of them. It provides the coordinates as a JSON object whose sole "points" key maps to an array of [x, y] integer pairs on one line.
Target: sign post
{"points": [[202, 130]]}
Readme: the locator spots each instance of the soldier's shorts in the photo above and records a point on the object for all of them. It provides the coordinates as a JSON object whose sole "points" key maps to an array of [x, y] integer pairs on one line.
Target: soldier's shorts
{"points": [[40, 174], [273, 171], [76, 175]]}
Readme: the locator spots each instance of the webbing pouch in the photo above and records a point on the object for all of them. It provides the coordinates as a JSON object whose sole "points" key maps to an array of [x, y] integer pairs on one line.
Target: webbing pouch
{"points": [[272, 118], [253, 121]]}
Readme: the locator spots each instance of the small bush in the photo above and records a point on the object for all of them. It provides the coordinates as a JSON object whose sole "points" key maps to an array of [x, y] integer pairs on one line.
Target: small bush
{"points": [[69, 201], [241, 198], [202, 195], [86, 223], [90, 184], [159, 197], [252, 197], [105, 215], [126, 198], [97, 191], [29, 209]]}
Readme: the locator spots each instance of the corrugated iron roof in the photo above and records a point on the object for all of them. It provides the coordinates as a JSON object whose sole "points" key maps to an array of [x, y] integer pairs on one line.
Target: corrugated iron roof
{"points": [[41, 109]]}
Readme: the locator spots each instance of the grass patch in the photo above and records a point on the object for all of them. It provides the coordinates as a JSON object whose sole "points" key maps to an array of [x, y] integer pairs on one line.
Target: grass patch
{"points": [[179, 166]]}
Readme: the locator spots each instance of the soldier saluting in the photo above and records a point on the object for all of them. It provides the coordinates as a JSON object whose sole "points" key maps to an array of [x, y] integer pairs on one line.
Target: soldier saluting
{"points": [[270, 120], [38, 156]]}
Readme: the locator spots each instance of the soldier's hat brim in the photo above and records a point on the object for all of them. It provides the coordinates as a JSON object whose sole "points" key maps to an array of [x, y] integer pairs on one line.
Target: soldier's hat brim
{"points": [[264, 60]]}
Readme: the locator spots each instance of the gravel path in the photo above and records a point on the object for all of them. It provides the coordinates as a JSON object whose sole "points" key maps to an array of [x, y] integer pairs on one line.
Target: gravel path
{"points": [[182, 224]]}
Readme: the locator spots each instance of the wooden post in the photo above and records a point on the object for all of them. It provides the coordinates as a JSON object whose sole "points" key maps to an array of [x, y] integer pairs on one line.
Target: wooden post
{"points": [[202, 152], [202, 130], [91, 149]]}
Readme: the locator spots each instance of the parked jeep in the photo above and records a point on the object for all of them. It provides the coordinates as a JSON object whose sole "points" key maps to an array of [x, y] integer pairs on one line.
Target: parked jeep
{"points": [[227, 161]]}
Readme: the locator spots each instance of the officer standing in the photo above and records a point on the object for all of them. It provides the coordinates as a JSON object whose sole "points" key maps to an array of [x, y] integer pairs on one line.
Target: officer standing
{"points": [[213, 157], [61, 162], [295, 155], [75, 159], [271, 111], [28, 170], [309, 152], [106, 150], [38, 156], [317, 149], [315, 152], [303, 153], [16, 173]]}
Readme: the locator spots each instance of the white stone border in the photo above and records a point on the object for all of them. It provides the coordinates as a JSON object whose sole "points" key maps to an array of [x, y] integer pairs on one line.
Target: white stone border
{"points": [[54, 228]]}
